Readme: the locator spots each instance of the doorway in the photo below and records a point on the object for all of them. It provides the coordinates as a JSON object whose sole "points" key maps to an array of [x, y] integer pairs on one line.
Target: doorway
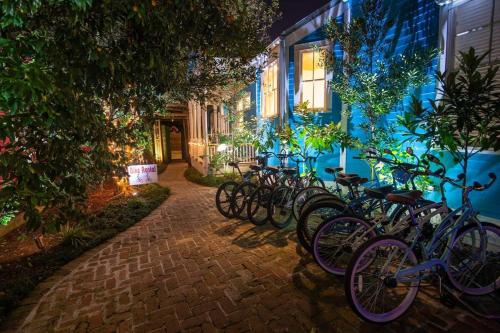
{"points": [[175, 144], [173, 141]]}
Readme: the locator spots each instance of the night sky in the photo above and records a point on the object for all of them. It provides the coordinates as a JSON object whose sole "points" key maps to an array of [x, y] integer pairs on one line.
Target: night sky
{"points": [[293, 11]]}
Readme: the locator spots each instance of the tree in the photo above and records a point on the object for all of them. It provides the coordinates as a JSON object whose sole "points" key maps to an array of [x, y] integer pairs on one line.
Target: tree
{"points": [[81, 76], [370, 75], [465, 119], [309, 137]]}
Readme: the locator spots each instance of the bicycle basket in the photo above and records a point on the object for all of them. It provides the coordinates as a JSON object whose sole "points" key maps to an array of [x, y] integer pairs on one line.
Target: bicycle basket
{"points": [[401, 176]]}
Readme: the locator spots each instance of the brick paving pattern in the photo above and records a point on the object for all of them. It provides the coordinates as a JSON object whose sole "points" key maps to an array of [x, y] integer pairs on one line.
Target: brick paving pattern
{"points": [[185, 268]]}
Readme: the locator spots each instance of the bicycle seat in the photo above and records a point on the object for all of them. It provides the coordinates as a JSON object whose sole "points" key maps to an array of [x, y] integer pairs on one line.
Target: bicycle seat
{"points": [[333, 170], [289, 171], [271, 169], [348, 181], [233, 164], [347, 175], [378, 192], [405, 198], [255, 167]]}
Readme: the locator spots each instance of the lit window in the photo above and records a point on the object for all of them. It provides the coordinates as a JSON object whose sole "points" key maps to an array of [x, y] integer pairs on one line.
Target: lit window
{"points": [[243, 105], [270, 91], [313, 80]]}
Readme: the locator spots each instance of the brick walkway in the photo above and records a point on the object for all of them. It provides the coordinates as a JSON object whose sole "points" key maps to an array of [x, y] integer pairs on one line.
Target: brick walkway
{"points": [[185, 268]]}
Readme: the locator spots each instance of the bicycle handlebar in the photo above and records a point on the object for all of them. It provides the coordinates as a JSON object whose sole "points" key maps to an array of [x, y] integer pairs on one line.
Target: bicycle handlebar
{"points": [[476, 186]]}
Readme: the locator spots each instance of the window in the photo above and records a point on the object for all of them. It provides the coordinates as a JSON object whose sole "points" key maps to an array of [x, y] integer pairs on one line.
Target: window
{"points": [[477, 25], [243, 105], [270, 91], [313, 82]]}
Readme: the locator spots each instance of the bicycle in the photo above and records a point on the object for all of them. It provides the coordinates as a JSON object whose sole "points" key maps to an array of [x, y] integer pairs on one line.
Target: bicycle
{"points": [[337, 238], [225, 198], [267, 178], [280, 205], [459, 249], [364, 203], [258, 200]]}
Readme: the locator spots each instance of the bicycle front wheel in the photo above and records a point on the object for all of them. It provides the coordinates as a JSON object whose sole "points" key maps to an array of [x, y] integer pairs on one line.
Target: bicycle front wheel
{"points": [[257, 205], [280, 207], [335, 241], [473, 263], [371, 287], [302, 197], [241, 197], [314, 215], [224, 198]]}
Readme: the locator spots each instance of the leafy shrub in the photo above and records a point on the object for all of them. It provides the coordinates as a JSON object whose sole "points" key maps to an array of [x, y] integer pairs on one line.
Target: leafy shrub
{"points": [[195, 176], [75, 235]]}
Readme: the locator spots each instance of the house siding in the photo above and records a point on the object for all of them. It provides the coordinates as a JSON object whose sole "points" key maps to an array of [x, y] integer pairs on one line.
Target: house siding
{"points": [[416, 24]]}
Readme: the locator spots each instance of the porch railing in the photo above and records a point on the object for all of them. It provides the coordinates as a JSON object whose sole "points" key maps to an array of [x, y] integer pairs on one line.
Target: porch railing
{"points": [[243, 154], [202, 153]]}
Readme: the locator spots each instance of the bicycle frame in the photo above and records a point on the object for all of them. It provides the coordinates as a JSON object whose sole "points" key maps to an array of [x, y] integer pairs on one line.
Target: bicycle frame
{"points": [[448, 229]]}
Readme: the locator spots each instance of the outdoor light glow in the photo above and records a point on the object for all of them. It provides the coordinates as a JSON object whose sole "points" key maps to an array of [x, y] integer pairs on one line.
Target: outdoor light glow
{"points": [[222, 147], [443, 2], [134, 194]]}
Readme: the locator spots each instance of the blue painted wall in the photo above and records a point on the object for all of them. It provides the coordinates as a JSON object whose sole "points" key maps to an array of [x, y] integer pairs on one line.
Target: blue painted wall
{"points": [[331, 115], [416, 24]]}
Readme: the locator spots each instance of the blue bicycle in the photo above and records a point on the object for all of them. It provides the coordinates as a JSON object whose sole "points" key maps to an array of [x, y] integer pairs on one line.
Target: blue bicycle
{"points": [[384, 274]]}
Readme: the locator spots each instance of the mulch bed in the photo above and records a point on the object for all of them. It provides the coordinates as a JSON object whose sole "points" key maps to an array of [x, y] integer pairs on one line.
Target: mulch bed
{"points": [[23, 265], [19, 243]]}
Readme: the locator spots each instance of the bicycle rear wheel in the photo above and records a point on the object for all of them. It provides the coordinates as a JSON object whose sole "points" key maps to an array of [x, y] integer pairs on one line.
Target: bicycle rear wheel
{"points": [[335, 241], [317, 198], [315, 181], [473, 265]]}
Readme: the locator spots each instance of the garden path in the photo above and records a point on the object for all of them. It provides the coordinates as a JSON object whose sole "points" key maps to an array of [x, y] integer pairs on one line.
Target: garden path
{"points": [[186, 268]]}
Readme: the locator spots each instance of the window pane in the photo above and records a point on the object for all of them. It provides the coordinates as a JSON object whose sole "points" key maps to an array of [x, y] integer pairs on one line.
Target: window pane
{"points": [[479, 39], [275, 76], [319, 70], [269, 91], [307, 65], [308, 93], [266, 80], [319, 94], [495, 46], [275, 103], [473, 14]]}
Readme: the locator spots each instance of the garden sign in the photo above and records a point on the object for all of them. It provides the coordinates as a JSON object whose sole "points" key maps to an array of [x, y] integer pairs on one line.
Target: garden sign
{"points": [[142, 174]]}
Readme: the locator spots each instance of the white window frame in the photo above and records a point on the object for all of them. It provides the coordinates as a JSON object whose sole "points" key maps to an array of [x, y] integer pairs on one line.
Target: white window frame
{"points": [[448, 56], [298, 51], [448, 17]]}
